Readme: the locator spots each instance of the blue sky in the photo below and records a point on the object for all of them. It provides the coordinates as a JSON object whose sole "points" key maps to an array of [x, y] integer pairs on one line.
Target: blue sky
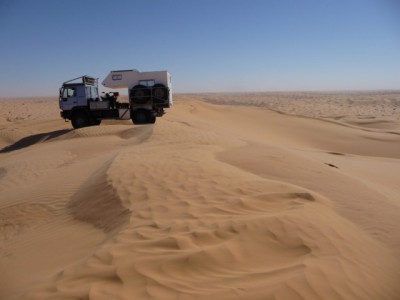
{"points": [[207, 46]]}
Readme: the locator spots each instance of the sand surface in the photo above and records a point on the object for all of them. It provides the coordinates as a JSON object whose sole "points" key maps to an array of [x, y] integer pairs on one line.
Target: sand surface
{"points": [[228, 196]]}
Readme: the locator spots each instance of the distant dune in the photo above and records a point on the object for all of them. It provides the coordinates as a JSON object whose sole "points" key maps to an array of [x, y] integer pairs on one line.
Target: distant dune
{"points": [[228, 196]]}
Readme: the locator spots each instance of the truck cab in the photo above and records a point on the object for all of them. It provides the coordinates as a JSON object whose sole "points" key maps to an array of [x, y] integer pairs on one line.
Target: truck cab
{"points": [[74, 93]]}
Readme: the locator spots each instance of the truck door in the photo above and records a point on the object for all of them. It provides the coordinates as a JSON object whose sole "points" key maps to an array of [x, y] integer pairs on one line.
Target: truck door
{"points": [[72, 96], [68, 98]]}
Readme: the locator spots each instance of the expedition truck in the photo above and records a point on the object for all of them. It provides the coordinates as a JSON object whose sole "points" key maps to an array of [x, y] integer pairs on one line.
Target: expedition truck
{"points": [[149, 94]]}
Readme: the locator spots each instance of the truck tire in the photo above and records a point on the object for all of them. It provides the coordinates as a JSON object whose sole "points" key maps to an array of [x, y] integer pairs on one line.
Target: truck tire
{"points": [[152, 119], [139, 94], [80, 119], [96, 122], [141, 116], [160, 93]]}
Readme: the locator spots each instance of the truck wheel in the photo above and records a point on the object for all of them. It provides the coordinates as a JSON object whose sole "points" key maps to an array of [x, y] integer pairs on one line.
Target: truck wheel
{"points": [[140, 116], [140, 94], [160, 92], [80, 119], [96, 122], [152, 119]]}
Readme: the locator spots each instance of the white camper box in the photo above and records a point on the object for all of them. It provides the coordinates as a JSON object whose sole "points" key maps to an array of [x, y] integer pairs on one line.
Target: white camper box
{"points": [[130, 78]]}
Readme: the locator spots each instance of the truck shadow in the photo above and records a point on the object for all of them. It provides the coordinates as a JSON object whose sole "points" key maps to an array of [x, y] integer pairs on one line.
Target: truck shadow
{"points": [[34, 139]]}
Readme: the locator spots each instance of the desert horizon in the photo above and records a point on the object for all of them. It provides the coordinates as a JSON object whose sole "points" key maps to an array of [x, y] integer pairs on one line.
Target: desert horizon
{"points": [[228, 196]]}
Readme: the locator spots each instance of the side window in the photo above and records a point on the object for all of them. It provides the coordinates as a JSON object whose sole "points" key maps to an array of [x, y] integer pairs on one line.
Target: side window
{"points": [[91, 93], [117, 77], [148, 83], [88, 94], [69, 92], [94, 93]]}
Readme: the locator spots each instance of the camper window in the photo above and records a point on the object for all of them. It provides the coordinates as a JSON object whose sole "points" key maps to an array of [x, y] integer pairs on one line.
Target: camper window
{"points": [[117, 77], [148, 83]]}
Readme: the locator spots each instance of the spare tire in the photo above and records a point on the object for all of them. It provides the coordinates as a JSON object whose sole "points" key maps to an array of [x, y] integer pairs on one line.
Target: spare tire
{"points": [[139, 94], [160, 93]]}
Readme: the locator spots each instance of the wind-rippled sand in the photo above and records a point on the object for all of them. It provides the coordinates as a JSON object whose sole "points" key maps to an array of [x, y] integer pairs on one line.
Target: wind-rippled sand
{"points": [[228, 196]]}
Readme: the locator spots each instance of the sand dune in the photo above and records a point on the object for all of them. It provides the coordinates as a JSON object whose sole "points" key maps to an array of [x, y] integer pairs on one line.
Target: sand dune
{"points": [[212, 202]]}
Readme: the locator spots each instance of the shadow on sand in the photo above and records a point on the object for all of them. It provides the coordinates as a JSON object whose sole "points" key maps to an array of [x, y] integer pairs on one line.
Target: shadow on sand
{"points": [[34, 139]]}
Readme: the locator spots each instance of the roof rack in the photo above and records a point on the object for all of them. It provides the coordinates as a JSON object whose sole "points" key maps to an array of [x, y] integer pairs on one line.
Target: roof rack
{"points": [[85, 79], [120, 71]]}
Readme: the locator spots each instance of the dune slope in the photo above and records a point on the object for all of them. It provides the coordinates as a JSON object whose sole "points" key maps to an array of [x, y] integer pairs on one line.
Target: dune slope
{"points": [[212, 202]]}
